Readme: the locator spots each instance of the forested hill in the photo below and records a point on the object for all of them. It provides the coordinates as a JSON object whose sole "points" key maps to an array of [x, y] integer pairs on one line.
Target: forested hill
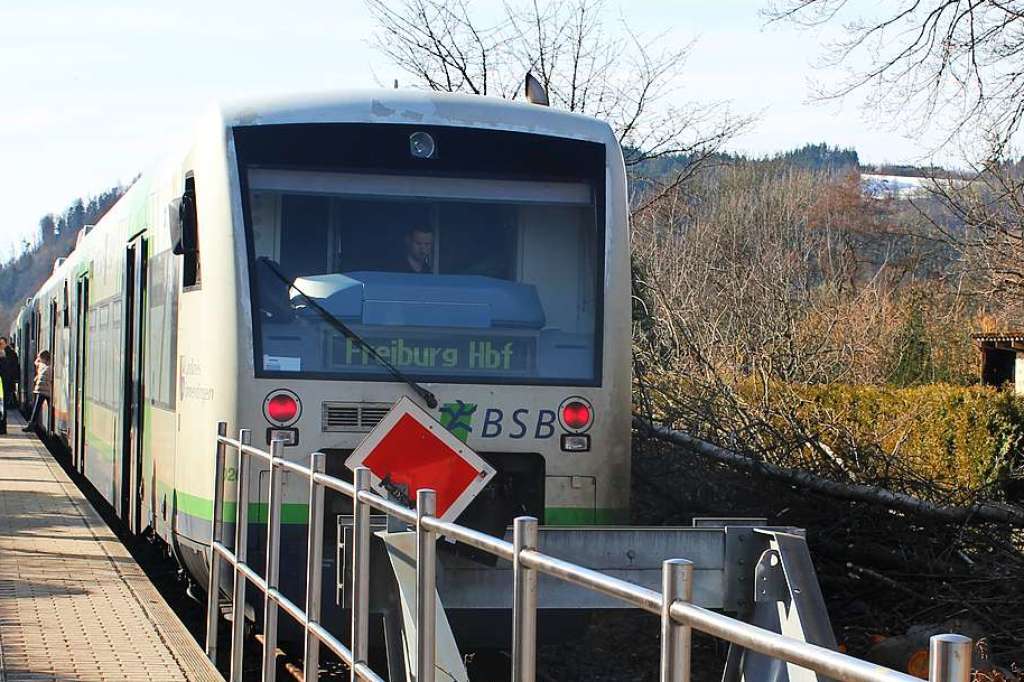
{"points": [[23, 275], [817, 157], [821, 157]]}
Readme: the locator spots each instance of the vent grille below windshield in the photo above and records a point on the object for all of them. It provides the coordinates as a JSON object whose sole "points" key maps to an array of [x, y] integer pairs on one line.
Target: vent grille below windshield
{"points": [[355, 417]]}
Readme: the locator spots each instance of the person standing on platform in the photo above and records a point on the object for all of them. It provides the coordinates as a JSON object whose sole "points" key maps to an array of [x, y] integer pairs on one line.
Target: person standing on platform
{"points": [[4, 369], [8, 371], [11, 365], [3, 386], [41, 389]]}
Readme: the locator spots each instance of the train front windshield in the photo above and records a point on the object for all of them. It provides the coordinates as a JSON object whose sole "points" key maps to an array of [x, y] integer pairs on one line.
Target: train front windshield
{"points": [[448, 278]]}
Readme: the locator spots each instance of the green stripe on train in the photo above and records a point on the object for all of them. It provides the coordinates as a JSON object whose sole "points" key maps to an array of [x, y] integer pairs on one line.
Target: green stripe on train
{"points": [[582, 516], [202, 508], [298, 513]]}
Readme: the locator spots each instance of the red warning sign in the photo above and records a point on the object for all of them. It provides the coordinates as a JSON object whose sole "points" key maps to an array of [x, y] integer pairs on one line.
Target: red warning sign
{"points": [[409, 450]]}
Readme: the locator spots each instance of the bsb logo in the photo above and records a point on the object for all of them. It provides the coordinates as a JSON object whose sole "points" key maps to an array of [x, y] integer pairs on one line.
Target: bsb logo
{"points": [[457, 417]]}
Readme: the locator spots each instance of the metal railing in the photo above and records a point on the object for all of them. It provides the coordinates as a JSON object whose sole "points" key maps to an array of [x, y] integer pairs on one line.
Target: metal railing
{"points": [[950, 659]]}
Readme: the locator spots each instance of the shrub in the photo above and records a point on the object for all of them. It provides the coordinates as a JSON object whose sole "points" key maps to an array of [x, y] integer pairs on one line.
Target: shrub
{"points": [[963, 439], [938, 441]]}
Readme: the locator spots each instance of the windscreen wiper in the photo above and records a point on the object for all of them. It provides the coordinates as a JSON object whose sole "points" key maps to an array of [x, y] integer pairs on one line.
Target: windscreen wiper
{"points": [[347, 332]]}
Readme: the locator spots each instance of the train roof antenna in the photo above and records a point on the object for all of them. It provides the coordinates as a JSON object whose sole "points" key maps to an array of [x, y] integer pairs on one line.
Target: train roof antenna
{"points": [[535, 92]]}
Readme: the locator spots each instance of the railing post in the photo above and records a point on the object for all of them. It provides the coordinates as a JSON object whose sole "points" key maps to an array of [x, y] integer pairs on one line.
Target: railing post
{"points": [[676, 585], [360, 570], [241, 556], [273, 564], [426, 581], [524, 602], [314, 566], [213, 584], [950, 659]]}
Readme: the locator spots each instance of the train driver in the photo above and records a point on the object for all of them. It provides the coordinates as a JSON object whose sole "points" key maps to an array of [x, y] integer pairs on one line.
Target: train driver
{"points": [[418, 251]]}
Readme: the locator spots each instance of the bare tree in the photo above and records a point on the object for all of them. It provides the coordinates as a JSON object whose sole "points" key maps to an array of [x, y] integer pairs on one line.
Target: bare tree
{"points": [[778, 281], [983, 218], [951, 65], [954, 67], [586, 64]]}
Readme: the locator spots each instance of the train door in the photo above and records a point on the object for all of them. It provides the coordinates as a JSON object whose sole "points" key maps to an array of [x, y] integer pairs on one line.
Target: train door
{"points": [[51, 426], [78, 373], [28, 358], [25, 391], [132, 418]]}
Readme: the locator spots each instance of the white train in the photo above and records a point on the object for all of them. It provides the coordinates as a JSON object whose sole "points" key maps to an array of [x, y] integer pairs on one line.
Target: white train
{"points": [[303, 265], [479, 247]]}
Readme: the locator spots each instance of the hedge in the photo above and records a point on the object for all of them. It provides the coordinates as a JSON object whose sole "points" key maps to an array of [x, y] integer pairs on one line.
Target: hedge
{"points": [[957, 439]]}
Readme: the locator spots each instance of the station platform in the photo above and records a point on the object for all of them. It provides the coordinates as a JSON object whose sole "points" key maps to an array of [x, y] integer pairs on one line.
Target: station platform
{"points": [[74, 605]]}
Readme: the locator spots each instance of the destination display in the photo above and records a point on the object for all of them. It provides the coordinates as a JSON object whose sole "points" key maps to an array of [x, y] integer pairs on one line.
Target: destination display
{"points": [[438, 354]]}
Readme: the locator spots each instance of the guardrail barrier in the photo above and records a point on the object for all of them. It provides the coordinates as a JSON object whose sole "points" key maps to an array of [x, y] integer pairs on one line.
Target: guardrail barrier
{"points": [[950, 654]]}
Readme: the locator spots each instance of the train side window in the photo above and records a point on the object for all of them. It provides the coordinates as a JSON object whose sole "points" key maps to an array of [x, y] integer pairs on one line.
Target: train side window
{"points": [[162, 299], [185, 235]]}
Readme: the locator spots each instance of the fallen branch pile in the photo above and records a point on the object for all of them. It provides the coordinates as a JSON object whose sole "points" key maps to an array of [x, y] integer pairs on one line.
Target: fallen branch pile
{"points": [[979, 511], [891, 564]]}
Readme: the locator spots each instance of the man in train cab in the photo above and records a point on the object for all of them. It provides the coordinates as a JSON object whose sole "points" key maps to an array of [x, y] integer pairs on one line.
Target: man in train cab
{"points": [[418, 251]]}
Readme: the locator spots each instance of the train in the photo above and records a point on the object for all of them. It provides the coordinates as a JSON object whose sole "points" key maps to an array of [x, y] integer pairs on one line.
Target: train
{"points": [[306, 262]]}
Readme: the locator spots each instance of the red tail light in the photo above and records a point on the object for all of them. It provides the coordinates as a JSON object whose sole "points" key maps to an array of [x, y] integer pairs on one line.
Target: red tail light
{"points": [[282, 408], [576, 415]]}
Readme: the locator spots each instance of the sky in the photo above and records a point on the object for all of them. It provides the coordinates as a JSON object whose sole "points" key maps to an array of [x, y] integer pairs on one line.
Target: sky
{"points": [[92, 93]]}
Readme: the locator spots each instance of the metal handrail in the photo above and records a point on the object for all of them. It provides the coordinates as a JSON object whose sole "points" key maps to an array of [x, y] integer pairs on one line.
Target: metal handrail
{"points": [[950, 654]]}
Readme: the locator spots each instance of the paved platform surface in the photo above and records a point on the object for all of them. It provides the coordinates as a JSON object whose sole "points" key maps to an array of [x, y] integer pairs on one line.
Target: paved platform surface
{"points": [[74, 605]]}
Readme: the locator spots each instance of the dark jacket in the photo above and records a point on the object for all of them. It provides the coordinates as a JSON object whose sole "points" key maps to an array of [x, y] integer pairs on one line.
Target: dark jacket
{"points": [[10, 365]]}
